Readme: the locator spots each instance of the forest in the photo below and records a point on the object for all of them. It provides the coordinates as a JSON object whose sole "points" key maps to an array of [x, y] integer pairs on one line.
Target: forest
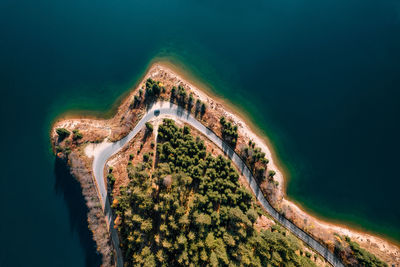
{"points": [[186, 207]]}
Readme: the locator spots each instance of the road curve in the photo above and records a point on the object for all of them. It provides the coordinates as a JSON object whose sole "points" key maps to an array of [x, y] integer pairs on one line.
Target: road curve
{"points": [[165, 109]]}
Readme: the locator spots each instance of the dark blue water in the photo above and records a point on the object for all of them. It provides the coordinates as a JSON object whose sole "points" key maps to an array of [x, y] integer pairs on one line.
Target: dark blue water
{"points": [[321, 78]]}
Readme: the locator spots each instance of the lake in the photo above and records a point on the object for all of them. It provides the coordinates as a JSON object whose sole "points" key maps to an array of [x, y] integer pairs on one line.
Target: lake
{"points": [[321, 79]]}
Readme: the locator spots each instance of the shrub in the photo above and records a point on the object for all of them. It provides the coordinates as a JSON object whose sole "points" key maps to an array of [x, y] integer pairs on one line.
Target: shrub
{"points": [[67, 150], [363, 257]]}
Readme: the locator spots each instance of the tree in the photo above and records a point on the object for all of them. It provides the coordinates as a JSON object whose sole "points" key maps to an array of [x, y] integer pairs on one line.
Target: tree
{"points": [[136, 101], [229, 132], [198, 107], [252, 215], [153, 90], [260, 171], [190, 101], [77, 135], [190, 209], [62, 133], [149, 127], [156, 89], [271, 174], [173, 93], [203, 109], [181, 95], [146, 157]]}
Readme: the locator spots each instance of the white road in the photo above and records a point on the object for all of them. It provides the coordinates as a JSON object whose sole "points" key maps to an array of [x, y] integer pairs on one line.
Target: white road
{"points": [[169, 109]]}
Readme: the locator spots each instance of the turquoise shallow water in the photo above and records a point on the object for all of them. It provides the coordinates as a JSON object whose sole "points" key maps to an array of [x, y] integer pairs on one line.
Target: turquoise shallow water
{"points": [[320, 78]]}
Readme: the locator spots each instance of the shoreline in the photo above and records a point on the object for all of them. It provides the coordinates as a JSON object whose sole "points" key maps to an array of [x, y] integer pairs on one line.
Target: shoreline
{"points": [[238, 112], [249, 127], [340, 224]]}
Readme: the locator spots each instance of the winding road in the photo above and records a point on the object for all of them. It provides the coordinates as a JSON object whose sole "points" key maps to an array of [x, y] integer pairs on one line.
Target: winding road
{"points": [[169, 109]]}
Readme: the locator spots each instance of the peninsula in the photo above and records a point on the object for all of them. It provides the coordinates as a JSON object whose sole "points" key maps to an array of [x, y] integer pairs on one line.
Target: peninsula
{"points": [[178, 176]]}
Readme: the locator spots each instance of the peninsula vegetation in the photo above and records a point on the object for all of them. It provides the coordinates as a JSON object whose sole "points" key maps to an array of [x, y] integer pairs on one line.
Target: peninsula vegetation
{"points": [[185, 207], [176, 201]]}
